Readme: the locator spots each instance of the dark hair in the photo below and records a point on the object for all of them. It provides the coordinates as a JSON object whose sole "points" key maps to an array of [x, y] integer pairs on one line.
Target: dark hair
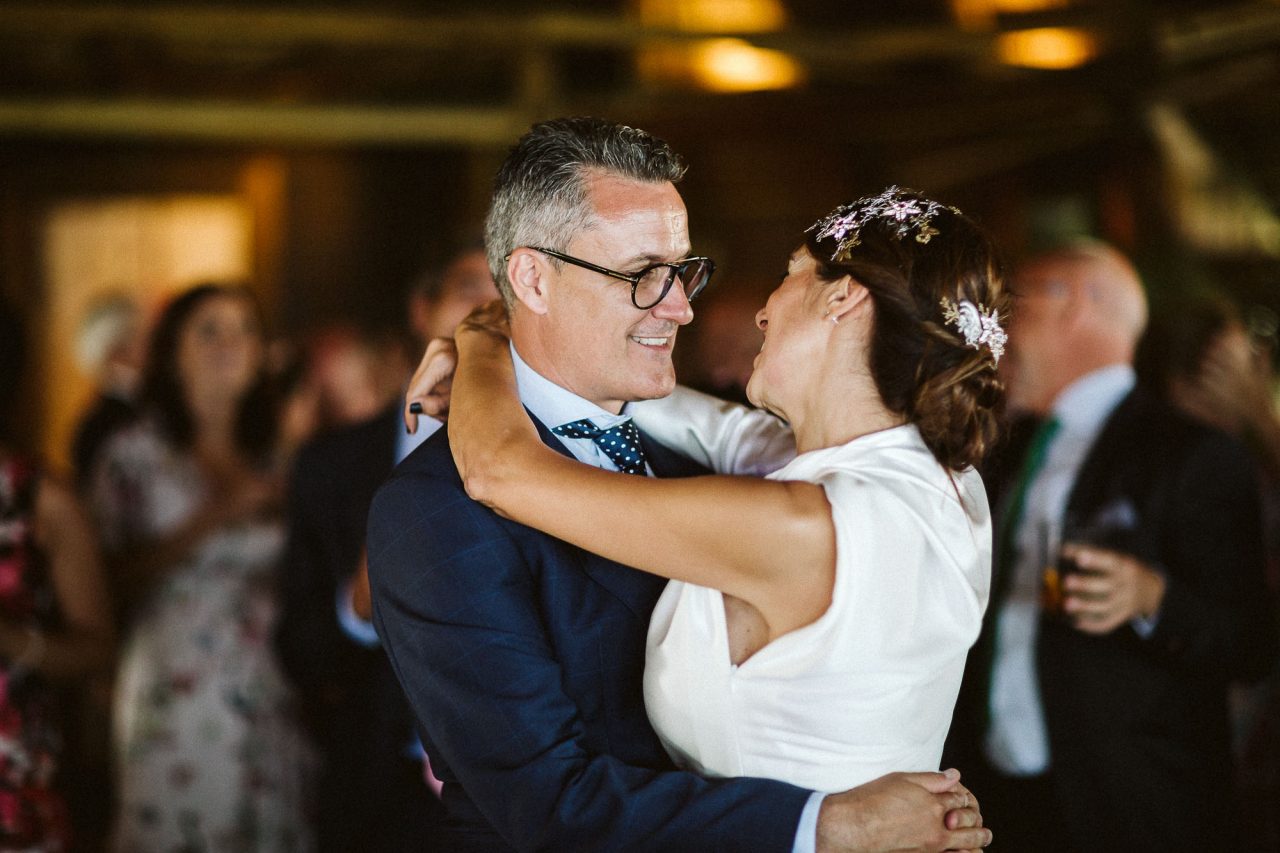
{"points": [[539, 194], [163, 396], [13, 365], [921, 364], [1182, 328]]}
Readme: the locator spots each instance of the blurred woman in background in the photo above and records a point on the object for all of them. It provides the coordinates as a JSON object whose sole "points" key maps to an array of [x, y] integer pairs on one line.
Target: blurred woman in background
{"points": [[208, 753], [55, 625]]}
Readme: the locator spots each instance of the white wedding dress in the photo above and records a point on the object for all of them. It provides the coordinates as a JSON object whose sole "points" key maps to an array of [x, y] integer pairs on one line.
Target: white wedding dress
{"points": [[869, 687]]}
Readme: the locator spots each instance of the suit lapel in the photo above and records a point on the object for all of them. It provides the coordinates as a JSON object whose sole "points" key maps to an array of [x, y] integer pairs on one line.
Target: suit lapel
{"points": [[668, 463], [636, 589], [1113, 446]]}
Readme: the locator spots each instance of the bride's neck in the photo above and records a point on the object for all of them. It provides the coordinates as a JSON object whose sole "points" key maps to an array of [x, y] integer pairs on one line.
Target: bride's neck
{"points": [[837, 413]]}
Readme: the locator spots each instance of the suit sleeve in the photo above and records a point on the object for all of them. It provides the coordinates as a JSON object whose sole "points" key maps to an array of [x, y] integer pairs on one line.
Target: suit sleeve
{"points": [[456, 604], [1215, 617], [726, 437]]}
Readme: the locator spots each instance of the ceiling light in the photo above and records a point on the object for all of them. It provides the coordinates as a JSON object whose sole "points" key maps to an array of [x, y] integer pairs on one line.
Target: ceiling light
{"points": [[1049, 47], [982, 14], [713, 16], [721, 65]]}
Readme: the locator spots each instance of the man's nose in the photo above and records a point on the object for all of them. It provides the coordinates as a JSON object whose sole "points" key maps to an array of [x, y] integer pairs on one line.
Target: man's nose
{"points": [[674, 306], [761, 321]]}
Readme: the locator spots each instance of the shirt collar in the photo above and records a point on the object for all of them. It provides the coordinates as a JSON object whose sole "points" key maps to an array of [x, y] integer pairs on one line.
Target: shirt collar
{"points": [[554, 405], [1086, 403]]}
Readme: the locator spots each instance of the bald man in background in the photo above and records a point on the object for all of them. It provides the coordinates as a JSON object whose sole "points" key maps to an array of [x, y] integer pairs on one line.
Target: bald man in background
{"points": [[1095, 702]]}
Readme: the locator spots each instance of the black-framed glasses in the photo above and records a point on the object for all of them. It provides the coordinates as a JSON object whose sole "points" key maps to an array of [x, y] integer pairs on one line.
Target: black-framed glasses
{"points": [[651, 285]]}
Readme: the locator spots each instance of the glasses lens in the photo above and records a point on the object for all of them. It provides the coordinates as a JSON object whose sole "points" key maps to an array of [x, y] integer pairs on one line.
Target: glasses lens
{"points": [[693, 276], [653, 286]]}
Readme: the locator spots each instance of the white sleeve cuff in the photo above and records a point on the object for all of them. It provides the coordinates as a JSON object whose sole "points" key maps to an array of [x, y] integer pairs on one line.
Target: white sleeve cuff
{"points": [[807, 829], [353, 626]]}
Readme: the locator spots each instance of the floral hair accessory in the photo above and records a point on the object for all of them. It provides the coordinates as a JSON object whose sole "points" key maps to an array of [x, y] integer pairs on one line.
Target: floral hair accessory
{"points": [[903, 211], [977, 325]]}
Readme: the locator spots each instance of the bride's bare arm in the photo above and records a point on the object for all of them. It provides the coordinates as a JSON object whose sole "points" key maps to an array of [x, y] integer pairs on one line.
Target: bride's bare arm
{"points": [[770, 543]]}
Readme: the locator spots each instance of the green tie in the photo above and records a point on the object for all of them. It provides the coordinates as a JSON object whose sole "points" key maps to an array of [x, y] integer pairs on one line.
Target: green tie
{"points": [[1006, 536], [1031, 465]]}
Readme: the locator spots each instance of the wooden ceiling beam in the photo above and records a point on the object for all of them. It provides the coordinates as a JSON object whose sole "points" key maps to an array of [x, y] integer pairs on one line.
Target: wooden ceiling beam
{"points": [[292, 27], [263, 123]]}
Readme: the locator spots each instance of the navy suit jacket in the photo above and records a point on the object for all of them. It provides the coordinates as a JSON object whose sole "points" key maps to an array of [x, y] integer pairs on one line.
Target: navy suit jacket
{"points": [[522, 658]]}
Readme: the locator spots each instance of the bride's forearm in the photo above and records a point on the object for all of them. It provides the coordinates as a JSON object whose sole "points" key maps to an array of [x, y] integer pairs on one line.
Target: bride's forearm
{"points": [[489, 432]]}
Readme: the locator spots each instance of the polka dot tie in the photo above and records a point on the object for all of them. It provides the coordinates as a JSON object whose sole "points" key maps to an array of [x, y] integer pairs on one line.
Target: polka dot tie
{"points": [[620, 443]]}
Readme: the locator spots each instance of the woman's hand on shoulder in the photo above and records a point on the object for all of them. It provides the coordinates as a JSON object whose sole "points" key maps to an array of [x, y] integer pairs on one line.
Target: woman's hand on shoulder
{"points": [[431, 386]]}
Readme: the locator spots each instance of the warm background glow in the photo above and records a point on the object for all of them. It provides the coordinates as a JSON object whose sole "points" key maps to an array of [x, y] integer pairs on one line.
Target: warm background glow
{"points": [[981, 14], [713, 16], [1049, 47], [147, 247], [720, 65]]}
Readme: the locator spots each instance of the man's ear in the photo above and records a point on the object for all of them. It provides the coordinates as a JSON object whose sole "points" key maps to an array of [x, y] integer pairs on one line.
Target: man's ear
{"points": [[529, 274], [845, 297]]}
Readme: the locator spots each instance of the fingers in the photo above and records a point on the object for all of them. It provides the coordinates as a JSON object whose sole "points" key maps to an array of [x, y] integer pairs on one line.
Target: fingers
{"points": [[969, 839], [1094, 559], [490, 318], [936, 783], [1091, 585], [965, 818], [427, 393], [410, 414], [969, 815]]}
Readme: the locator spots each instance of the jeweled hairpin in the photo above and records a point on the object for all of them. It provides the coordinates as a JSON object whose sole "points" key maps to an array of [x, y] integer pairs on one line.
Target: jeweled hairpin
{"points": [[902, 210], [977, 325]]}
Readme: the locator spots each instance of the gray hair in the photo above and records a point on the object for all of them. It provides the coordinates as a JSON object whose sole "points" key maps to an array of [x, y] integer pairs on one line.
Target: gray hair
{"points": [[540, 193]]}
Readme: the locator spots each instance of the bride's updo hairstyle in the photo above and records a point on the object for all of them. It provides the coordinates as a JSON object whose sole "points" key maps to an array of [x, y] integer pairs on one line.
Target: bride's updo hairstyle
{"points": [[938, 290]]}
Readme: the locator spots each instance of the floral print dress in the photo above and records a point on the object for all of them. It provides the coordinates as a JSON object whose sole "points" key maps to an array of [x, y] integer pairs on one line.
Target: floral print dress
{"points": [[209, 754], [33, 815]]}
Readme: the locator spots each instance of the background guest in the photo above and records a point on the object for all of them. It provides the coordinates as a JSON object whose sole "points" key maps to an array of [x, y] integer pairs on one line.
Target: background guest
{"points": [[110, 348], [209, 754], [373, 789], [55, 624], [1097, 709]]}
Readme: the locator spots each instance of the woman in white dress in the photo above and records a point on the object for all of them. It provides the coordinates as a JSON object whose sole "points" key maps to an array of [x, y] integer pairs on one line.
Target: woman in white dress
{"points": [[208, 753], [819, 618]]}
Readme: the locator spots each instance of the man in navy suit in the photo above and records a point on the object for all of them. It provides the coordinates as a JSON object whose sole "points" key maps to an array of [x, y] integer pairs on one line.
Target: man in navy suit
{"points": [[522, 655], [1100, 721]]}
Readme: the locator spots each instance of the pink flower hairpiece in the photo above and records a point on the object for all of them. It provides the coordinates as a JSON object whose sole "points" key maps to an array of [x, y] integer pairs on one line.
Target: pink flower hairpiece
{"points": [[901, 210]]}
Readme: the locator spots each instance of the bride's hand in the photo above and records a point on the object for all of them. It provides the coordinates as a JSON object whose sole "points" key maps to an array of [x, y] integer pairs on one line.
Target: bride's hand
{"points": [[489, 319], [430, 388], [488, 429]]}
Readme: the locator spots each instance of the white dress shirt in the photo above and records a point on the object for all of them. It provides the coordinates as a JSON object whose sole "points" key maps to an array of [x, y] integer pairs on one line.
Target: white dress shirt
{"points": [[1016, 740]]}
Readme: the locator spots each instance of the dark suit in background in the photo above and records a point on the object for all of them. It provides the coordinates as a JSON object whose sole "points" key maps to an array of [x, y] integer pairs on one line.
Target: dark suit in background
{"points": [[372, 791], [522, 656], [1138, 727]]}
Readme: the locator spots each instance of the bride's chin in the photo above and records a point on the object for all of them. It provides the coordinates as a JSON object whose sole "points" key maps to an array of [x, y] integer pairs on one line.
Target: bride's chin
{"points": [[754, 396]]}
